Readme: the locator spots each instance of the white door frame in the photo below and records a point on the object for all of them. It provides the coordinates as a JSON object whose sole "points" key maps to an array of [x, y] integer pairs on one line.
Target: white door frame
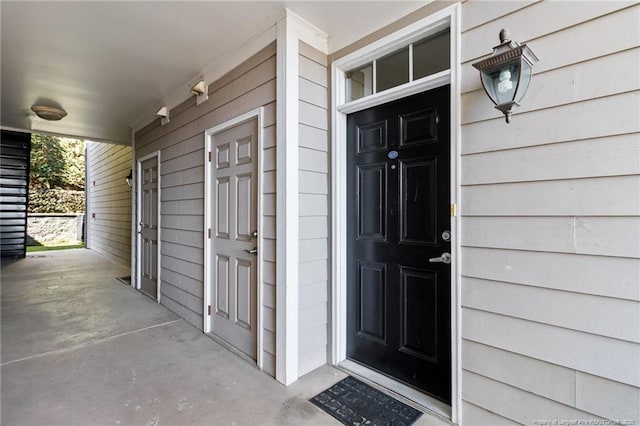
{"points": [[447, 17], [209, 216], [137, 224]]}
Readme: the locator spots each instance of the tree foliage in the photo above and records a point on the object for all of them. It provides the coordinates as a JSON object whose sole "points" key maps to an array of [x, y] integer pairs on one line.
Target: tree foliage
{"points": [[55, 201], [57, 163], [56, 179]]}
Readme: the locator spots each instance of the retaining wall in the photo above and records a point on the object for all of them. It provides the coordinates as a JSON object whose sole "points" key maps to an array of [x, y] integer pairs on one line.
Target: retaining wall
{"points": [[54, 228]]}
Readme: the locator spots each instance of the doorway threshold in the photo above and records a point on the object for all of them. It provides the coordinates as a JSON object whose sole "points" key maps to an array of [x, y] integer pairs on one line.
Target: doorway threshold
{"points": [[423, 401]]}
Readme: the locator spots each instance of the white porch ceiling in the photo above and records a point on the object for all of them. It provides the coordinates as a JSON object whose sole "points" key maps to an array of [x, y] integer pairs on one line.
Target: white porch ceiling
{"points": [[109, 63]]}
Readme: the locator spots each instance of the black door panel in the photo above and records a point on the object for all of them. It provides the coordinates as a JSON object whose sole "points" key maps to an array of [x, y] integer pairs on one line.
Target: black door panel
{"points": [[398, 202]]}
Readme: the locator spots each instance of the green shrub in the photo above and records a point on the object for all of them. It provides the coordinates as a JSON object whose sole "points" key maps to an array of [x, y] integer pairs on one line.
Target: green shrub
{"points": [[55, 201]]}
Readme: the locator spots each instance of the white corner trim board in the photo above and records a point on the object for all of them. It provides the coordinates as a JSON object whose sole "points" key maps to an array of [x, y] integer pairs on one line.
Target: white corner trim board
{"points": [[287, 203], [307, 32], [290, 30], [134, 214]]}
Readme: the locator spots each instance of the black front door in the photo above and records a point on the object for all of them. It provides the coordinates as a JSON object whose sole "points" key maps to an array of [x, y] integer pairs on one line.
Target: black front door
{"points": [[398, 178]]}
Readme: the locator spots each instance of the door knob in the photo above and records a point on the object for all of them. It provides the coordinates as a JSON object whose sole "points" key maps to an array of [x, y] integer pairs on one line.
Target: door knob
{"points": [[252, 251], [444, 258]]}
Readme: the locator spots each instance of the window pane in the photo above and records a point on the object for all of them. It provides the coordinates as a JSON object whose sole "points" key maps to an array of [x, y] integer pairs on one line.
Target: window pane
{"points": [[393, 70], [360, 83], [431, 55]]}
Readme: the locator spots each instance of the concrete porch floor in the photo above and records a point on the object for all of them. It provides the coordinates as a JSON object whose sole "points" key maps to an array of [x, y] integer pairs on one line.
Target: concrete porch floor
{"points": [[81, 348]]}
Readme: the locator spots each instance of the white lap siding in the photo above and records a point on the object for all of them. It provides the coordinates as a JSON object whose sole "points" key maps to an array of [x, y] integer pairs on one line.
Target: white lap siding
{"points": [[551, 218], [313, 210], [108, 215]]}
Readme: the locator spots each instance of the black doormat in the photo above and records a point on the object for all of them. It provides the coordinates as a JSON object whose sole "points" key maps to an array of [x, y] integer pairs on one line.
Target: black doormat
{"points": [[355, 403]]}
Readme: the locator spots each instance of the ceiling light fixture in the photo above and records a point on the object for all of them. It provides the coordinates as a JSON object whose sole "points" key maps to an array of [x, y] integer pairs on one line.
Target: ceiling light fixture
{"points": [[200, 89], [163, 113], [49, 113]]}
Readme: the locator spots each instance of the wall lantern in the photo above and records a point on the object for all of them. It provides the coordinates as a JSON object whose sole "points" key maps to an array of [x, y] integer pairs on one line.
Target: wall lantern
{"points": [[506, 74], [129, 178]]}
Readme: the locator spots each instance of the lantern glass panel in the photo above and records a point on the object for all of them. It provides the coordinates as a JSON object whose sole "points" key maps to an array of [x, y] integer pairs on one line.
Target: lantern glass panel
{"points": [[501, 83], [487, 82], [525, 79]]}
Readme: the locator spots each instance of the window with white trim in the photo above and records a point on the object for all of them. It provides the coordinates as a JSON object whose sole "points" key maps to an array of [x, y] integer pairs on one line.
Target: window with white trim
{"points": [[409, 63]]}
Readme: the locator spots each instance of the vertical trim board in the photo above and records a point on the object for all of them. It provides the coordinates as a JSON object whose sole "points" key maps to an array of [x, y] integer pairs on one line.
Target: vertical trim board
{"points": [[287, 201]]}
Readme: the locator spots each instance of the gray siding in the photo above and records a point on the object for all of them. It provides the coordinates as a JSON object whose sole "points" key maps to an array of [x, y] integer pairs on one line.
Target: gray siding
{"points": [[550, 218], [314, 220], [181, 143], [109, 201]]}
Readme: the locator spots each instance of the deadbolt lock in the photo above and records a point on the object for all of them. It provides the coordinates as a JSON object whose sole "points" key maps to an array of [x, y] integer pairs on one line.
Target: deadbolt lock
{"points": [[254, 234], [446, 236]]}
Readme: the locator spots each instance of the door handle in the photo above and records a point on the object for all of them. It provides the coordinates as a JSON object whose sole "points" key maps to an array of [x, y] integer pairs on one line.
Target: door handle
{"points": [[444, 258], [252, 251]]}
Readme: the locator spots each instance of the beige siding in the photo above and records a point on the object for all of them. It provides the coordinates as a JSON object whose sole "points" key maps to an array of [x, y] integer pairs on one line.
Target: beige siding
{"points": [[550, 218], [181, 143], [515, 404], [313, 163], [109, 201]]}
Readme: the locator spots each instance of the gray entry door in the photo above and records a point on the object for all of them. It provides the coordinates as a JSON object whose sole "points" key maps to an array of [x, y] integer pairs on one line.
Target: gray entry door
{"points": [[149, 227], [234, 254]]}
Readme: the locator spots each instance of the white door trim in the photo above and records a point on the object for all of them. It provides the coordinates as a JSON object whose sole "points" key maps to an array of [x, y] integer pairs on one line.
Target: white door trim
{"points": [[258, 114], [449, 16], [134, 215], [138, 183]]}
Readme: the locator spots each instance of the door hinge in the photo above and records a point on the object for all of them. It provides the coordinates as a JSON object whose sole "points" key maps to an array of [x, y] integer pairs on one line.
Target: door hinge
{"points": [[209, 156], [453, 209], [209, 233], [209, 310]]}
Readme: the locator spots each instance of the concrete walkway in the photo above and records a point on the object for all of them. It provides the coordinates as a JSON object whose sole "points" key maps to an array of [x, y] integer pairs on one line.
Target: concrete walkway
{"points": [[81, 348]]}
